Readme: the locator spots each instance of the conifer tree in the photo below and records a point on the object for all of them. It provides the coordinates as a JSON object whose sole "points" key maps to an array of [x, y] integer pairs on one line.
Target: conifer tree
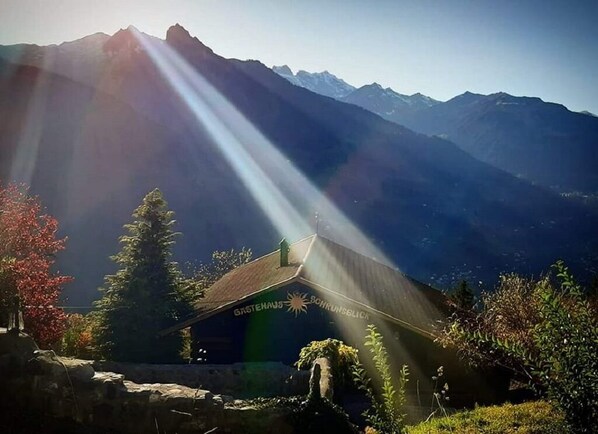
{"points": [[462, 296], [145, 295]]}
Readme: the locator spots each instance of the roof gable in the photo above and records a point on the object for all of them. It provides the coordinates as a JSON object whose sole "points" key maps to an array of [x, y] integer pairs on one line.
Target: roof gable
{"points": [[328, 266]]}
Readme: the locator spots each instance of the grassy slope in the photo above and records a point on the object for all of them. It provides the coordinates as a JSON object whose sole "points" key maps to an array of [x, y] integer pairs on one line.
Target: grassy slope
{"points": [[529, 418]]}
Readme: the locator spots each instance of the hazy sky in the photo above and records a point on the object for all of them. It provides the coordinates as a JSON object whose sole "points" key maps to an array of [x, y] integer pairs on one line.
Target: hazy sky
{"points": [[441, 48]]}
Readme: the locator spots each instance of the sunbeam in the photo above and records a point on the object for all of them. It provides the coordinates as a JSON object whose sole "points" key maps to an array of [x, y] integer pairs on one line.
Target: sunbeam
{"points": [[281, 190], [202, 99], [25, 159]]}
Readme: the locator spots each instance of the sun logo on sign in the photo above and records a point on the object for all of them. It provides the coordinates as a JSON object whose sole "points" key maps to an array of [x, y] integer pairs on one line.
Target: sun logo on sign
{"points": [[296, 303]]}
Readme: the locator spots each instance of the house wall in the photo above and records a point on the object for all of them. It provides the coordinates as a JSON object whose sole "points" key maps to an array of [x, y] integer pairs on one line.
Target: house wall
{"points": [[275, 326], [267, 328]]}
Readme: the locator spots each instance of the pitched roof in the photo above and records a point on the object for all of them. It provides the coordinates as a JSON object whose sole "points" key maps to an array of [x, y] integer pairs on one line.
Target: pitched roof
{"points": [[253, 277], [336, 270], [369, 283]]}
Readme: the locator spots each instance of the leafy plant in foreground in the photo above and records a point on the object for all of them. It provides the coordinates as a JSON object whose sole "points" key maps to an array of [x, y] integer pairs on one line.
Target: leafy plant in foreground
{"points": [[386, 412], [567, 339]]}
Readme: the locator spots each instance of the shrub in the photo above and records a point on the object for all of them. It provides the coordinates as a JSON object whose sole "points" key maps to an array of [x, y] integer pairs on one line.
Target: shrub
{"points": [[386, 412], [567, 339], [510, 313], [545, 331], [77, 340], [342, 358], [305, 416]]}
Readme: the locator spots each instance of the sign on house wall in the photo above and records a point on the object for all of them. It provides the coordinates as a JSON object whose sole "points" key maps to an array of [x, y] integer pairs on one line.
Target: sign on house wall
{"points": [[298, 303]]}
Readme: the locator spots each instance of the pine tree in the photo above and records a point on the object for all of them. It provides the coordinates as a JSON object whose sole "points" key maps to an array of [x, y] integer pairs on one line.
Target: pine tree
{"points": [[145, 295], [462, 296]]}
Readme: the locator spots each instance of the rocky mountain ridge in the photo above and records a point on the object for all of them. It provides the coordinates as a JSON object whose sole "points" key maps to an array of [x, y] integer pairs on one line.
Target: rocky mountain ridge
{"points": [[540, 141], [109, 126]]}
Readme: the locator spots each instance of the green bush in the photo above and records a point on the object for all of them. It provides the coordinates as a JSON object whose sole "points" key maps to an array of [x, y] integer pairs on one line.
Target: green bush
{"points": [[507, 314], [538, 417], [567, 339], [77, 340], [342, 358], [554, 345], [386, 413]]}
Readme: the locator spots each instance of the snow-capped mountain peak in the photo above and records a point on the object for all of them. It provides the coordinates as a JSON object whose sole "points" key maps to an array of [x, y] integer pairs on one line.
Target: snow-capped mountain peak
{"points": [[323, 82], [282, 70], [373, 97]]}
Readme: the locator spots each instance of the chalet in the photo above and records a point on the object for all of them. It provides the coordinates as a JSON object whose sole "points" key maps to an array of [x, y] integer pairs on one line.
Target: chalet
{"points": [[313, 289]]}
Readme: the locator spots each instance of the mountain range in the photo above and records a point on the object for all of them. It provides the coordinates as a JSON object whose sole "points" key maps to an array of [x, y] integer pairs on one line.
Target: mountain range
{"points": [[92, 125], [323, 83], [542, 142], [387, 103]]}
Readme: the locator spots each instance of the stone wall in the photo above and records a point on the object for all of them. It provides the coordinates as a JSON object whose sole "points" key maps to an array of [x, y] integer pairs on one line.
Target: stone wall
{"points": [[49, 391], [241, 380]]}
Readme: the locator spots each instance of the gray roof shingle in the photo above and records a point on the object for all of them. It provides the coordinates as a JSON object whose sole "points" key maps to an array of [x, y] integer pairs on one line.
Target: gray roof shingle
{"points": [[324, 264]]}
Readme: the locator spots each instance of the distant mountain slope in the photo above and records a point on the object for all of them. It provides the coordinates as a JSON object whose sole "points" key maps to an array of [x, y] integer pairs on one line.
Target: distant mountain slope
{"points": [[388, 103], [81, 58], [93, 150], [527, 137], [539, 141], [96, 158]]}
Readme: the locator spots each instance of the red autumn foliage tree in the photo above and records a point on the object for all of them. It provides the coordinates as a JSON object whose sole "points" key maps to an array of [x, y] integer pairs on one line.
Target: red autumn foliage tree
{"points": [[28, 246]]}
